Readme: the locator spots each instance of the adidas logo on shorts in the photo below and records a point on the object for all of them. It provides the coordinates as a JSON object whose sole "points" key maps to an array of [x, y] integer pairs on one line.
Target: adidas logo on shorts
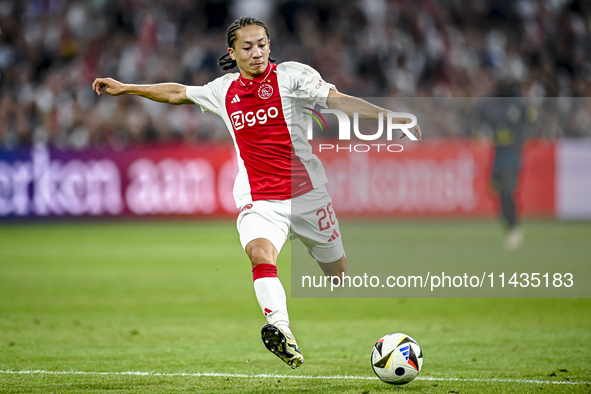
{"points": [[334, 236]]}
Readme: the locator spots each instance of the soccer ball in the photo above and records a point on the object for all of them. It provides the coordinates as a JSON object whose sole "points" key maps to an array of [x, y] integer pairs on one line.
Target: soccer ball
{"points": [[396, 358]]}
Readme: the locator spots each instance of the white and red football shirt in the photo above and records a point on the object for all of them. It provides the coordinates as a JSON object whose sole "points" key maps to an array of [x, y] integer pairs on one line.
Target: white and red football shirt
{"points": [[264, 117]]}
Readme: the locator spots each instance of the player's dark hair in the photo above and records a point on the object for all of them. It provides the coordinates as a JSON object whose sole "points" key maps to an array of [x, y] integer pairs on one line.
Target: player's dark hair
{"points": [[226, 62]]}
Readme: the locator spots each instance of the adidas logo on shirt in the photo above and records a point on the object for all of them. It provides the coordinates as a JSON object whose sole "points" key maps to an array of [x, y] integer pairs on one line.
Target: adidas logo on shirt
{"points": [[235, 100]]}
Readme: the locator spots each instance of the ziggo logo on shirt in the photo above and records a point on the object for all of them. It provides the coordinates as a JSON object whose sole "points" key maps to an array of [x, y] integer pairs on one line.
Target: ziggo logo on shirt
{"points": [[241, 119]]}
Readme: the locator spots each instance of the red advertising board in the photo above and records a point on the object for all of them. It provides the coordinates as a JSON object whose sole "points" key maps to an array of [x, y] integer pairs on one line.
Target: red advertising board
{"points": [[169, 180], [537, 187], [439, 178]]}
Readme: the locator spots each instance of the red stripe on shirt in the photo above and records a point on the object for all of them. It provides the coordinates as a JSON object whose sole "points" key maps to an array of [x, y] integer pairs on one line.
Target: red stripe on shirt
{"points": [[274, 171]]}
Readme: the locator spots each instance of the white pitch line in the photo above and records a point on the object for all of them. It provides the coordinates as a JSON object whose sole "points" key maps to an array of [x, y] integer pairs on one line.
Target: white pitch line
{"points": [[256, 376]]}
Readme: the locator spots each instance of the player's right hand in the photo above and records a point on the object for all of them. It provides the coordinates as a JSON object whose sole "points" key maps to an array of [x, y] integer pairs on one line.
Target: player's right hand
{"points": [[109, 85]]}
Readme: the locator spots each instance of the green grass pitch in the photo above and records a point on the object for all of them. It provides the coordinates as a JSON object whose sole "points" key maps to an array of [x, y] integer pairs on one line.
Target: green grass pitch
{"points": [[167, 307]]}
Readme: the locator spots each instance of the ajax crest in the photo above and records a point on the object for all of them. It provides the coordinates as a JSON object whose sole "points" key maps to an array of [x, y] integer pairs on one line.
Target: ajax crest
{"points": [[265, 91]]}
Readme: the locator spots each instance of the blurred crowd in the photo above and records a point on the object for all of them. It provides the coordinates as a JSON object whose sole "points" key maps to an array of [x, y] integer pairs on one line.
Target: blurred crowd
{"points": [[51, 51]]}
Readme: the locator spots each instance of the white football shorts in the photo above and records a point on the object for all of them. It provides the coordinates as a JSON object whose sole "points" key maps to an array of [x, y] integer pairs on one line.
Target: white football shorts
{"points": [[309, 217]]}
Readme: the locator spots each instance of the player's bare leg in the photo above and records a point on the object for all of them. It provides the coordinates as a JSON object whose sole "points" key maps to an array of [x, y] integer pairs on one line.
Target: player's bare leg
{"points": [[336, 269], [261, 251], [270, 294]]}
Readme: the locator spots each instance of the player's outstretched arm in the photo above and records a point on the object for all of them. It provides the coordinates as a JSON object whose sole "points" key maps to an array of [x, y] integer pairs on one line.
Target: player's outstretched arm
{"points": [[349, 105], [172, 93]]}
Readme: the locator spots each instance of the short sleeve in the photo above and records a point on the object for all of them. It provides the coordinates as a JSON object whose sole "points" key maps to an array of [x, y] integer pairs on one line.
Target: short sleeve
{"points": [[308, 82], [204, 96], [211, 97]]}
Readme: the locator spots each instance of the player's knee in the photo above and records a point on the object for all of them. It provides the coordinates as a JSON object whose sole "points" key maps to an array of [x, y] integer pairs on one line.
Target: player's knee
{"points": [[336, 268], [339, 271], [336, 275], [342, 265], [260, 256]]}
